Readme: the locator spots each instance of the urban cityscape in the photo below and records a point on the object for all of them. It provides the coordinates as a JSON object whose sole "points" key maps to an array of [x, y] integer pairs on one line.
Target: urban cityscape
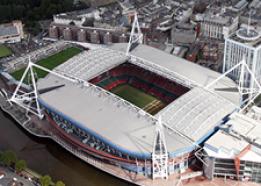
{"points": [[130, 92]]}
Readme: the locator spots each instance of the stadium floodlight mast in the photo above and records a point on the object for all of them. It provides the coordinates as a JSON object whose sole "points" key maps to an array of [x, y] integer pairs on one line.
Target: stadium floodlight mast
{"points": [[160, 153], [243, 88], [26, 99], [136, 36]]}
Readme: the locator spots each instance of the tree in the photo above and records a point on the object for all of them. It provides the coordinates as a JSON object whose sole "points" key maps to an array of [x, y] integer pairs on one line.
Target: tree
{"points": [[45, 180], [8, 157], [59, 183], [33, 10], [20, 165], [1, 157]]}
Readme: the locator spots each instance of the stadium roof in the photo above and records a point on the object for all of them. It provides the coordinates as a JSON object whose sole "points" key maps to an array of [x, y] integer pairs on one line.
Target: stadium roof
{"points": [[196, 113], [182, 68], [127, 127], [89, 64]]}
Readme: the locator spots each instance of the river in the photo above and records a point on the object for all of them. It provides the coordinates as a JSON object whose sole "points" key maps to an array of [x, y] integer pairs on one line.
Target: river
{"points": [[46, 157]]}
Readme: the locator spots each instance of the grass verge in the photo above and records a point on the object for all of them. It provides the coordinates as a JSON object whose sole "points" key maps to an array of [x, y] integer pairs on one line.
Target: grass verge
{"points": [[5, 51]]}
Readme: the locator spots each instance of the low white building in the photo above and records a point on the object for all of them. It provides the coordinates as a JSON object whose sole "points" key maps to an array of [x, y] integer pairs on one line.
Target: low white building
{"points": [[234, 151]]}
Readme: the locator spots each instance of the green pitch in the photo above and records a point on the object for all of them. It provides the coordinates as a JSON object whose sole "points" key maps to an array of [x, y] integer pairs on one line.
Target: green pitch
{"points": [[4, 51], [50, 62], [133, 95]]}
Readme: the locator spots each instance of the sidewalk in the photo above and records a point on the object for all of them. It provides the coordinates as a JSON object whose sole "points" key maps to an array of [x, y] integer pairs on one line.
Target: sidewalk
{"points": [[10, 178]]}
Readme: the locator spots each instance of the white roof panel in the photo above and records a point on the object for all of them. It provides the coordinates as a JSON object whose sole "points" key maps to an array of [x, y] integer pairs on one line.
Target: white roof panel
{"points": [[196, 113], [89, 64]]}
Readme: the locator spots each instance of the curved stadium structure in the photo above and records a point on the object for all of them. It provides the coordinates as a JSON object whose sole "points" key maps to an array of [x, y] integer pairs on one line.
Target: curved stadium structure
{"points": [[112, 112]]}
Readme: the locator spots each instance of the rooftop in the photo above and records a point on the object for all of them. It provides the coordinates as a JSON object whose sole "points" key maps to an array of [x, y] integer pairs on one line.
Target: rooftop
{"points": [[238, 132], [218, 19], [248, 34], [8, 30], [246, 127], [252, 38], [215, 147]]}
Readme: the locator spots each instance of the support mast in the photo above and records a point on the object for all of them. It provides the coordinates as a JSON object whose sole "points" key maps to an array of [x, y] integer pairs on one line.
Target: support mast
{"points": [[28, 100], [160, 153], [136, 36]]}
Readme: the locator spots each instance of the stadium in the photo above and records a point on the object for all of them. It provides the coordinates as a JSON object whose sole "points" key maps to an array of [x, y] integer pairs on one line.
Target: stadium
{"points": [[147, 112]]}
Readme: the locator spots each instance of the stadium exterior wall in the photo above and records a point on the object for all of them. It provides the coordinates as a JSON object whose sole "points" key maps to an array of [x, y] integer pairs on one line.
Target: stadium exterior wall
{"points": [[76, 123], [138, 168], [138, 155]]}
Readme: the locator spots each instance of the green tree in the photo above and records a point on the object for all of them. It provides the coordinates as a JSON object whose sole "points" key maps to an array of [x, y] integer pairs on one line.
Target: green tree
{"points": [[1, 157], [200, 55], [45, 180], [34, 10], [8, 157], [20, 165], [59, 183]]}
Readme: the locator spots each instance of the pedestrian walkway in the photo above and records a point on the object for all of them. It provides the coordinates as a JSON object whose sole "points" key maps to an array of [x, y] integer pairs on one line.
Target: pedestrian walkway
{"points": [[10, 178]]}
